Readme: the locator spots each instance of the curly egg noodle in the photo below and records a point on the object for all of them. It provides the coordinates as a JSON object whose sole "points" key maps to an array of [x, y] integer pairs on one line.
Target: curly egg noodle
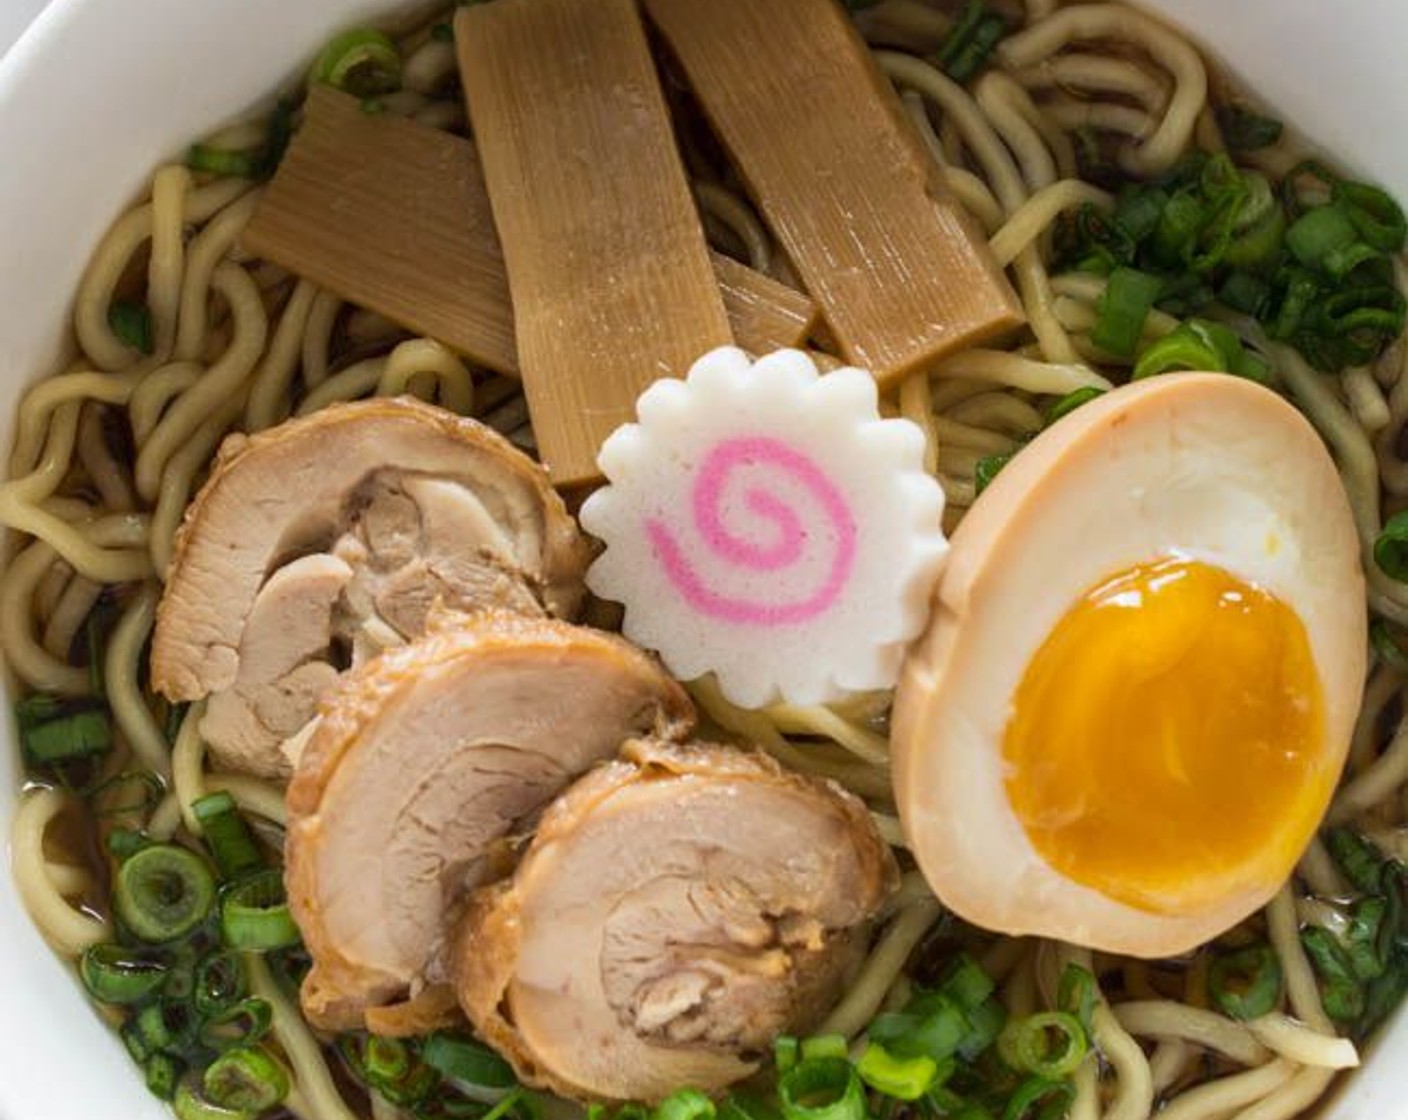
{"points": [[113, 445]]}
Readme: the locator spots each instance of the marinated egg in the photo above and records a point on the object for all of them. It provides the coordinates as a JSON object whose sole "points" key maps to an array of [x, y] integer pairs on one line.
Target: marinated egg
{"points": [[1138, 687]]}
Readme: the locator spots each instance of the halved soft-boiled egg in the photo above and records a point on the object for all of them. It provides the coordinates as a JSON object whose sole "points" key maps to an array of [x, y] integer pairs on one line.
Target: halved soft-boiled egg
{"points": [[1138, 687]]}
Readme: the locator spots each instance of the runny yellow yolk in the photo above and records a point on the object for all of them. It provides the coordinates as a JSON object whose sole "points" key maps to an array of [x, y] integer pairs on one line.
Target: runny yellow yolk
{"points": [[1166, 741]]}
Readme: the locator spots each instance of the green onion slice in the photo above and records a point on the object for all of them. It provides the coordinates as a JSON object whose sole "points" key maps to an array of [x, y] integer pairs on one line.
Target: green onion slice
{"points": [[685, 1104], [1049, 1044], [241, 1024], [361, 61], [1072, 401], [116, 974], [964, 981], [905, 1079], [162, 1071], [227, 835], [467, 1062], [1125, 305], [163, 892], [987, 469], [247, 1079], [1376, 217], [1245, 130], [1077, 994], [254, 914], [824, 1046], [1318, 233], [822, 1089], [786, 1052], [1370, 938], [1391, 547], [76, 731], [747, 1106], [222, 162], [1340, 990], [132, 322], [1246, 984], [1039, 1098], [967, 47], [219, 982]]}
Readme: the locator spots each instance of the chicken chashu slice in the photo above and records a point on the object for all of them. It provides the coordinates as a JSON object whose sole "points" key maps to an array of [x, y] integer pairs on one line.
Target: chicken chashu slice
{"points": [[676, 912], [424, 767], [317, 543]]}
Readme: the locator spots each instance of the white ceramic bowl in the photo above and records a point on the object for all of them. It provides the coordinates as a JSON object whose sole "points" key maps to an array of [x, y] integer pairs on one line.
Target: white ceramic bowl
{"points": [[99, 90]]}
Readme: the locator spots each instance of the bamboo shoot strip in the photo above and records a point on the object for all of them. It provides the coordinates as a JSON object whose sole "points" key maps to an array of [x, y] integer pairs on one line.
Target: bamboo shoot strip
{"points": [[890, 257], [393, 215], [607, 262]]}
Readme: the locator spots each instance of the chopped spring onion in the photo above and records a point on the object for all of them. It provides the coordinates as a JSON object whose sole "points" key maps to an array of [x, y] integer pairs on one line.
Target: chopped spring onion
{"points": [[1199, 345], [685, 1104], [931, 1026], [747, 1106], [461, 1059], [1245, 292], [181, 979], [391, 1067], [163, 892], [254, 914], [822, 1089], [218, 982], [1048, 1044], [222, 162], [163, 1025], [905, 1079], [1245, 130], [1070, 402], [786, 1052], [162, 1072], [1391, 548], [1246, 983], [361, 61], [1312, 265], [1125, 305], [132, 322], [1376, 217], [824, 1046], [386, 1059], [227, 835], [968, 46], [116, 974], [241, 1024], [1077, 994], [1318, 233], [124, 842], [987, 469], [55, 731], [247, 1079], [1383, 996], [258, 163], [1369, 939], [1039, 1098], [190, 1104], [966, 983], [1340, 991]]}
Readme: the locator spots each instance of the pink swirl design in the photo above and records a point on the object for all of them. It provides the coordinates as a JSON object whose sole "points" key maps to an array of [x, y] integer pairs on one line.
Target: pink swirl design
{"points": [[791, 537]]}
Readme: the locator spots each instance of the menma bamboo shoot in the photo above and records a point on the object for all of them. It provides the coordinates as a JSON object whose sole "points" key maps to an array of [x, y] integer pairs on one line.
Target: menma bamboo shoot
{"points": [[607, 261], [899, 271]]}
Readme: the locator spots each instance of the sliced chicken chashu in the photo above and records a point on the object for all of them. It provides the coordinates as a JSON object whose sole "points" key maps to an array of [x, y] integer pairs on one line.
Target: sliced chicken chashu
{"points": [[676, 912], [423, 767], [319, 542]]}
